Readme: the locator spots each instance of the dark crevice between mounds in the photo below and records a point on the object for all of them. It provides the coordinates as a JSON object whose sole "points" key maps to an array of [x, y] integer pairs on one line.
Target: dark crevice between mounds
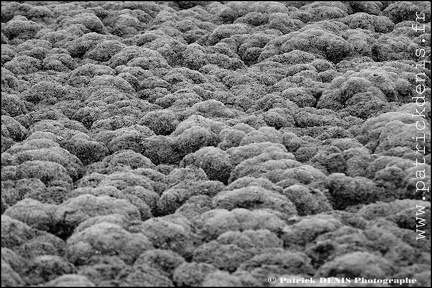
{"points": [[61, 229]]}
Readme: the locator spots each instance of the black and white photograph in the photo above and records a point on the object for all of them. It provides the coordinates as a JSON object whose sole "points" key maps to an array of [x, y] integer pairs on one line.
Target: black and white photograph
{"points": [[215, 144]]}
